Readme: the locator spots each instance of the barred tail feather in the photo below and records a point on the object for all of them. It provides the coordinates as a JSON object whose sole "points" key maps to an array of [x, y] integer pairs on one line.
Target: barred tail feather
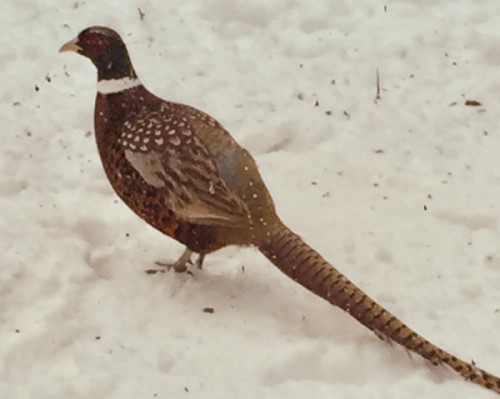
{"points": [[304, 265]]}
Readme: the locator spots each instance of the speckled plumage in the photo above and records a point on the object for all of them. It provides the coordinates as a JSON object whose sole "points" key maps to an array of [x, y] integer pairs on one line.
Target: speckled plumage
{"points": [[180, 171], [162, 170]]}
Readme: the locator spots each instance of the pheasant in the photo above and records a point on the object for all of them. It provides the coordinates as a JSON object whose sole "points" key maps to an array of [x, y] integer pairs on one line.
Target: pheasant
{"points": [[179, 170]]}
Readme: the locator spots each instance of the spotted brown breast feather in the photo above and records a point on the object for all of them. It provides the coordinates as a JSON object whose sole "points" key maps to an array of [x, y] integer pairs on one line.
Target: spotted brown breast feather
{"points": [[183, 173]]}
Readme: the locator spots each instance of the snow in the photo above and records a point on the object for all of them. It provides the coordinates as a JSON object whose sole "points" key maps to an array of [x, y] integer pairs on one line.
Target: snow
{"points": [[401, 193]]}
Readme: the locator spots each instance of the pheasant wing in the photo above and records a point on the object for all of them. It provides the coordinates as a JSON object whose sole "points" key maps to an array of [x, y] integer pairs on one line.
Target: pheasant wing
{"points": [[171, 158]]}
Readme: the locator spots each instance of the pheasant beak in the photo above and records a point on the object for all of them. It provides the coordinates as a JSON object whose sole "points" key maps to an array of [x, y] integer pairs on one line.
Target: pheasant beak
{"points": [[72, 45]]}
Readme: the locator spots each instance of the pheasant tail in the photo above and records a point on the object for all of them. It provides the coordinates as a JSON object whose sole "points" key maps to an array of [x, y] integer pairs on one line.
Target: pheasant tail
{"points": [[304, 265]]}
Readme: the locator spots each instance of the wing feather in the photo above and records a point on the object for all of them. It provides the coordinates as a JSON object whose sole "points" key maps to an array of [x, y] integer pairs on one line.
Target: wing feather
{"points": [[180, 166]]}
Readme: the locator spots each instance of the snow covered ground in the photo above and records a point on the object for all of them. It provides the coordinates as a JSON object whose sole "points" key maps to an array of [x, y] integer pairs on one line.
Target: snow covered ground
{"points": [[402, 193]]}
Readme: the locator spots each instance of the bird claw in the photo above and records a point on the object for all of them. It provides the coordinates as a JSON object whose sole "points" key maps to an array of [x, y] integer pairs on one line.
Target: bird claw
{"points": [[179, 266]]}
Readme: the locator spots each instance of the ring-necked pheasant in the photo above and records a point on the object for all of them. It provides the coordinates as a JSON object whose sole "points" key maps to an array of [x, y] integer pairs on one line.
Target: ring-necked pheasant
{"points": [[180, 171]]}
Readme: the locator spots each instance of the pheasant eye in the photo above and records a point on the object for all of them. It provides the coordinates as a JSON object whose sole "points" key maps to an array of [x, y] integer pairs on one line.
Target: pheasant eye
{"points": [[95, 45]]}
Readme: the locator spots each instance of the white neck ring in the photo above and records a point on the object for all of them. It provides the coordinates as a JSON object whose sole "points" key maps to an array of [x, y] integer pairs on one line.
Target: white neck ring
{"points": [[117, 85]]}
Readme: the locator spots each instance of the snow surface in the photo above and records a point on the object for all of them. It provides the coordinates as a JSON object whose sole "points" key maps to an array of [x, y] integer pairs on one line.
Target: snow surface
{"points": [[401, 193]]}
